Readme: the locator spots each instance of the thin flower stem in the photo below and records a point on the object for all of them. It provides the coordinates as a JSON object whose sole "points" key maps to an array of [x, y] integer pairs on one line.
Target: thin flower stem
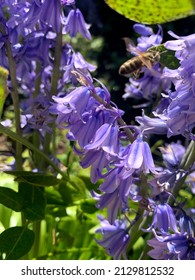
{"points": [[187, 161], [53, 89], [135, 230], [56, 67]]}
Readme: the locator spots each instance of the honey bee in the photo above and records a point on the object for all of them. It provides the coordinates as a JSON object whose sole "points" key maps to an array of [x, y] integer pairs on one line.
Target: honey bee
{"points": [[135, 64]]}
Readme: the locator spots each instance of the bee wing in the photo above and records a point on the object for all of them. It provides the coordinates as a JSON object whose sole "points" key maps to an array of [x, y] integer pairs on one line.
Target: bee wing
{"points": [[146, 62], [130, 46]]}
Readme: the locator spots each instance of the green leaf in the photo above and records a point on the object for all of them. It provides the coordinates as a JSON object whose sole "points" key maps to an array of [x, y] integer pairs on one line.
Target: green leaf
{"points": [[3, 87], [88, 206], [15, 242], [35, 202], [11, 199], [36, 179], [167, 57], [153, 11], [54, 197], [73, 190]]}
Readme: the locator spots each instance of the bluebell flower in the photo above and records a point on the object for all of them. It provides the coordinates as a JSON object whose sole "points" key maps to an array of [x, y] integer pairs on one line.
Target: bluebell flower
{"points": [[151, 125], [76, 62], [115, 238], [26, 19], [36, 115], [163, 218], [159, 251], [74, 102], [111, 202], [180, 112], [68, 2], [75, 23], [172, 155], [179, 245], [106, 138], [139, 157], [97, 160], [51, 14], [148, 39], [142, 29]]}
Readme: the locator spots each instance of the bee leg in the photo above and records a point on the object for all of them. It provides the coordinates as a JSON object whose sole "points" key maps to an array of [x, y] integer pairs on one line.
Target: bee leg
{"points": [[136, 74]]}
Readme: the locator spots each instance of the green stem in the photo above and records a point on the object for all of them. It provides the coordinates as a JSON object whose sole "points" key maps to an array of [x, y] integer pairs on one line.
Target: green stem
{"points": [[37, 231], [139, 221], [38, 80], [144, 255], [15, 98], [57, 61], [187, 161], [30, 146], [189, 156], [46, 150]]}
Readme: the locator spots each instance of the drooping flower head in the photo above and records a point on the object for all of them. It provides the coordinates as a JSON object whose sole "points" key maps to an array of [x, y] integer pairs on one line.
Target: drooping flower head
{"points": [[115, 238]]}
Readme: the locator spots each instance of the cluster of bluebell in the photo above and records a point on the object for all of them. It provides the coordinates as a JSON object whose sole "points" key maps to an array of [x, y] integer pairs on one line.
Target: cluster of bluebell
{"points": [[139, 196]]}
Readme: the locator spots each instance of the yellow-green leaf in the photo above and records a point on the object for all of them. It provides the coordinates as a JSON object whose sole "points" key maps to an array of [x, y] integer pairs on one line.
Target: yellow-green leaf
{"points": [[153, 11], [3, 87]]}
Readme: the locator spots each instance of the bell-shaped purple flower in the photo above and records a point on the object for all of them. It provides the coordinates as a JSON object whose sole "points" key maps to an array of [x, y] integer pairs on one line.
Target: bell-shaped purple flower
{"points": [[139, 157], [151, 125], [179, 245], [51, 14], [159, 251], [74, 102], [172, 155], [106, 137], [75, 23], [163, 218], [115, 238]]}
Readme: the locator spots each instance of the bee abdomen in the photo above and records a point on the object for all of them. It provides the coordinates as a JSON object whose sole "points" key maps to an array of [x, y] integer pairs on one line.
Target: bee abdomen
{"points": [[130, 66]]}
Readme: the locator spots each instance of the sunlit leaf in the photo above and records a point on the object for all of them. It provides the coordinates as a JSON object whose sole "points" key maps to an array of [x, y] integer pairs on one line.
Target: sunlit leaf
{"points": [[3, 87], [15, 242], [167, 57], [153, 11]]}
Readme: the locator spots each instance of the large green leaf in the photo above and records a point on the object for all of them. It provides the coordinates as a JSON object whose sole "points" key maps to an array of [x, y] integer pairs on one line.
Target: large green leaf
{"points": [[153, 11], [11, 199], [36, 179], [15, 242], [35, 202]]}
